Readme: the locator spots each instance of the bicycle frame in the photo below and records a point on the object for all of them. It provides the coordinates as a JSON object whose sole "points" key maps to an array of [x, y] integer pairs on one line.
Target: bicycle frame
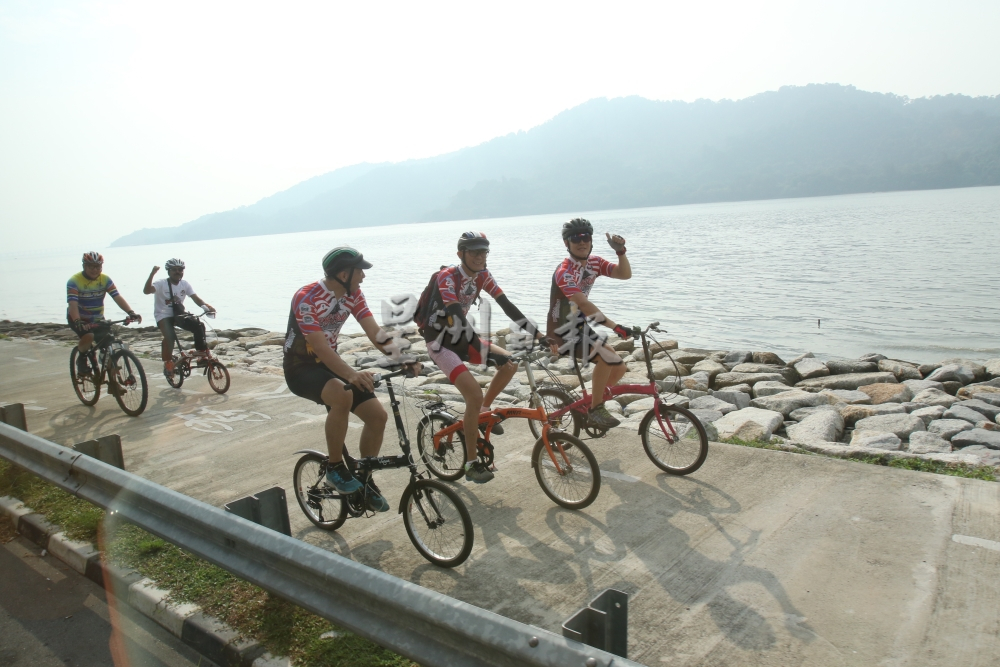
{"points": [[372, 463], [497, 415], [582, 406]]}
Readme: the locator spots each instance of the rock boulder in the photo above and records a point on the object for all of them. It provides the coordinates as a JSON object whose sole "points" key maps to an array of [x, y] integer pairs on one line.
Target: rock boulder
{"points": [[849, 396], [811, 368], [949, 428], [953, 373], [977, 436], [852, 414], [884, 392], [788, 401], [876, 440], [737, 398], [723, 380], [935, 397], [929, 414], [923, 442], [958, 411], [819, 426], [902, 370], [849, 381], [900, 425], [845, 366], [768, 420]]}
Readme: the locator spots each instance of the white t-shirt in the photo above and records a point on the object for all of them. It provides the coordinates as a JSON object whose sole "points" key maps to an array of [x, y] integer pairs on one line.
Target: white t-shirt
{"points": [[161, 297]]}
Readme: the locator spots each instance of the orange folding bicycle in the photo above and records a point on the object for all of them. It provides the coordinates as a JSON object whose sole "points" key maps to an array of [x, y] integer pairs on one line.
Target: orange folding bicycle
{"points": [[565, 467]]}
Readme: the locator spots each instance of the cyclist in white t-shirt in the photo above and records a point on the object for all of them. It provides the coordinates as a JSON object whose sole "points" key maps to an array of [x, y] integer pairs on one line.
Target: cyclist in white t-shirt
{"points": [[168, 308]]}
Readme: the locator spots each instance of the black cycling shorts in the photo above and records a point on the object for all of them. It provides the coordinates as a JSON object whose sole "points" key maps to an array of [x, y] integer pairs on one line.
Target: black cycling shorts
{"points": [[309, 382], [103, 331]]}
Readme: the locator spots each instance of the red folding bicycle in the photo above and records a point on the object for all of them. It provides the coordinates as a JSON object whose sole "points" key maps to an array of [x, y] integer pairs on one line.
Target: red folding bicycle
{"points": [[674, 439]]}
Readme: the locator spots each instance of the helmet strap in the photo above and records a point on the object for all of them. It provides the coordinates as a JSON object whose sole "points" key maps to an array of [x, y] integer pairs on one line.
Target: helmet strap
{"points": [[345, 284]]}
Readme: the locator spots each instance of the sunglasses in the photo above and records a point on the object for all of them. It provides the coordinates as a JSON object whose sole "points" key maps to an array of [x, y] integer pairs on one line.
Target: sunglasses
{"points": [[478, 253], [580, 238]]}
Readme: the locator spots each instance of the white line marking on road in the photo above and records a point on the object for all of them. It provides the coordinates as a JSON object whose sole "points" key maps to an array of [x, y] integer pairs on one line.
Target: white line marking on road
{"points": [[280, 389], [976, 542], [135, 632], [34, 361], [35, 562], [34, 407]]}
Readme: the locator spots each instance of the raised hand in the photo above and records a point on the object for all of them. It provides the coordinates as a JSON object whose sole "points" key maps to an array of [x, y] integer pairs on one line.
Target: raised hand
{"points": [[616, 242]]}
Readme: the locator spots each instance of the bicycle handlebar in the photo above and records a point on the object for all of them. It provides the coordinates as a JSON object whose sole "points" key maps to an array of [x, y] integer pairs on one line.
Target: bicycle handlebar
{"points": [[377, 378]]}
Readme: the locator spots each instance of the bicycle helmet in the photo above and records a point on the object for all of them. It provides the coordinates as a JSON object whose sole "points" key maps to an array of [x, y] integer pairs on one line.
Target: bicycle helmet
{"points": [[344, 258], [473, 241], [577, 226], [93, 257], [174, 263]]}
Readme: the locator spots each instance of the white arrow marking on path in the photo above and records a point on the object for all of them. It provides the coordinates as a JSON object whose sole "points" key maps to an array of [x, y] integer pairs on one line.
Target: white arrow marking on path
{"points": [[976, 542], [34, 361]]}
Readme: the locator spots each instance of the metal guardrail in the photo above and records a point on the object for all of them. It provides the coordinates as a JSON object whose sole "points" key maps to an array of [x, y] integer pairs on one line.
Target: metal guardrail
{"points": [[425, 626]]}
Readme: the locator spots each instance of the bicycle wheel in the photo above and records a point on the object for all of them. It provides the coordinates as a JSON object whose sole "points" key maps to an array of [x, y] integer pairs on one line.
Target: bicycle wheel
{"points": [[218, 376], [554, 399], [448, 462], [323, 506], [680, 446], [87, 388], [127, 381], [577, 480], [176, 379], [437, 522]]}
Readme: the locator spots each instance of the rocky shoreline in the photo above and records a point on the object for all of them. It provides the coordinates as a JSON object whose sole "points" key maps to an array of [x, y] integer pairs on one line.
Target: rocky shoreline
{"points": [[947, 411]]}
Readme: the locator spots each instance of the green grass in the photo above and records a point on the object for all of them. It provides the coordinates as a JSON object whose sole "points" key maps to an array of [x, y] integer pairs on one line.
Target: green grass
{"points": [[986, 473], [77, 517], [758, 444], [280, 626], [4, 336]]}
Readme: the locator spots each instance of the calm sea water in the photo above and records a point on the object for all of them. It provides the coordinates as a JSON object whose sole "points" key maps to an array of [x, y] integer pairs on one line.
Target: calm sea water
{"points": [[911, 274]]}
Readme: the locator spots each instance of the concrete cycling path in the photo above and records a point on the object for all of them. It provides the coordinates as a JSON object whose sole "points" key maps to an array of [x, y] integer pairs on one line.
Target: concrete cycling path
{"points": [[759, 558]]}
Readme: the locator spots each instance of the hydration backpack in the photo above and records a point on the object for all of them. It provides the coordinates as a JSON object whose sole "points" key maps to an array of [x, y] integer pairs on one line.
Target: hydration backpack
{"points": [[425, 305]]}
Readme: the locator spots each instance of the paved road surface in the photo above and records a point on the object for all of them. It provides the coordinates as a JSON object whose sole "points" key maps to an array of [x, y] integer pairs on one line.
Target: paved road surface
{"points": [[759, 558], [51, 616]]}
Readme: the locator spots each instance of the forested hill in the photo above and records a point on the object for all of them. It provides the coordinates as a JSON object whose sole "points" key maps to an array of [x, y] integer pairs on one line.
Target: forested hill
{"points": [[632, 152]]}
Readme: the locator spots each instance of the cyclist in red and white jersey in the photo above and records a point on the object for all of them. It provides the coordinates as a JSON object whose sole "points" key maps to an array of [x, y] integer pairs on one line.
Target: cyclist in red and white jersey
{"points": [[314, 370], [570, 309], [452, 341]]}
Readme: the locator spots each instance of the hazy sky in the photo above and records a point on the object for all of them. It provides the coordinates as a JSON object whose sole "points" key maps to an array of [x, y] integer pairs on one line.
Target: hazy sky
{"points": [[121, 115]]}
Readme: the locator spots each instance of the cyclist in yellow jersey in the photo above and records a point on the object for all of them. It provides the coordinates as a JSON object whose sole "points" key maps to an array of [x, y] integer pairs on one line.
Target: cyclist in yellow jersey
{"points": [[85, 304]]}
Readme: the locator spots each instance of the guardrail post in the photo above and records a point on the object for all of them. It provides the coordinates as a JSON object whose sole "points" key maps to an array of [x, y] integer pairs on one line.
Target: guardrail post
{"points": [[602, 624], [107, 448], [267, 508], [13, 414]]}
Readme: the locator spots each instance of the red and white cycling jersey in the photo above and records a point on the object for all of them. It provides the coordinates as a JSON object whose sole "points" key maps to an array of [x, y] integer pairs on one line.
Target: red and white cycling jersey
{"points": [[456, 286], [315, 308], [573, 277]]}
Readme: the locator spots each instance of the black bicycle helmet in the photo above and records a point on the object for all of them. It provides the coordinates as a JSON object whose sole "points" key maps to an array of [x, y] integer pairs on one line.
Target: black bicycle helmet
{"points": [[577, 226], [473, 241]]}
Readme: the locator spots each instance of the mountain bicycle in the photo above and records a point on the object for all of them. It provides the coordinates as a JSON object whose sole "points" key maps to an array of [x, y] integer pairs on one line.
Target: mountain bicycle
{"points": [[215, 370], [565, 468], [111, 363], [434, 516], [673, 438]]}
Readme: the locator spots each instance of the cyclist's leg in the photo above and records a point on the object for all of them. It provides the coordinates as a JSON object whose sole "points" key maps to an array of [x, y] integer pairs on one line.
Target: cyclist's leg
{"points": [[505, 371], [339, 400], [86, 339], [472, 394], [605, 374], [448, 361], [196, 327], [371, 412], [166, 326]]}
